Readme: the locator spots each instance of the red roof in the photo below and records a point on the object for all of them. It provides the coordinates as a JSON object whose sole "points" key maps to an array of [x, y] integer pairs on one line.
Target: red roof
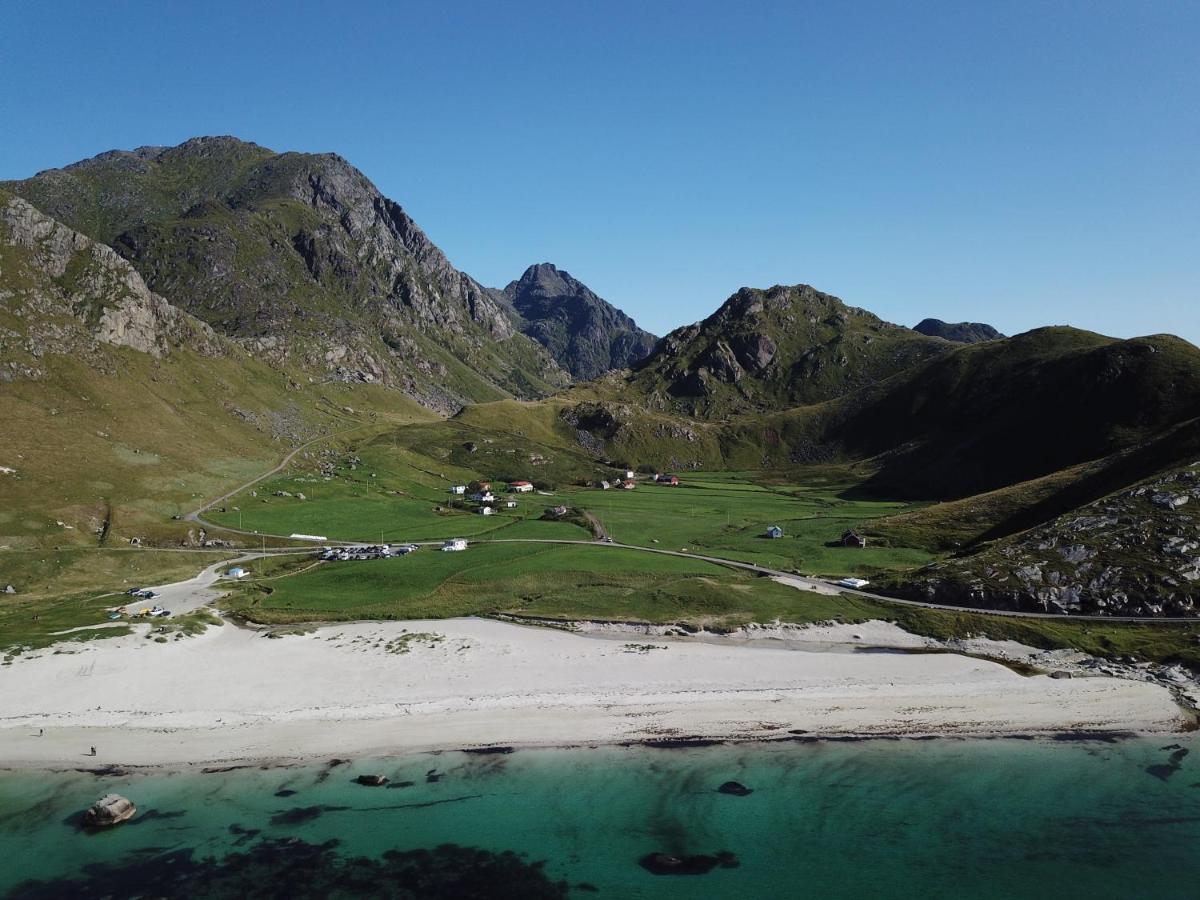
{"points": [[518, 482]]}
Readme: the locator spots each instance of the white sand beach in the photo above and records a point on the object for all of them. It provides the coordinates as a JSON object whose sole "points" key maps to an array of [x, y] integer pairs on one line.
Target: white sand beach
{"points": [[233, 694]]}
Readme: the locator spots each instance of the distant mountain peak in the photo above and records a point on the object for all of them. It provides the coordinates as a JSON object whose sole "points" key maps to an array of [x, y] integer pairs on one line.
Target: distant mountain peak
{"points": [[958, 332], [586, 335]]}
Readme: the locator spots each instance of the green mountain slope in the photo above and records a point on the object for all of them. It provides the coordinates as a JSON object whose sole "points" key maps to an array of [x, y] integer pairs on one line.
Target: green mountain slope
{"points": [[121, 410], [774, 349], [301, 259]]}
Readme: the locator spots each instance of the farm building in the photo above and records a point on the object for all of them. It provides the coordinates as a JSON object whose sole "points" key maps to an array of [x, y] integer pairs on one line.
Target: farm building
{"points": [[519, 487], [486, 511], [238, 572], [672, 480], [604, 485], [774, 531], [458, 489], [454, 544], [510, 504], [630, 475], [853, 539], [628, 485], [483, 497]]}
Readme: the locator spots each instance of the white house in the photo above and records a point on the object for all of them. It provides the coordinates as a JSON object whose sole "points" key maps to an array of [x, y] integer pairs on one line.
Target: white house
{"points": [[483, 497], [520, 487], [630, 474], [238, 572], [486, 511], [510, 504], [458, 489], [454, 545]]}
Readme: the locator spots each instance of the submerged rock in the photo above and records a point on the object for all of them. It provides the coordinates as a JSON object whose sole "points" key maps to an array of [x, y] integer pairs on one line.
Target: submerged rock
{"points": [[697, 864], [371, 780], [735, 789], [109, 810]]}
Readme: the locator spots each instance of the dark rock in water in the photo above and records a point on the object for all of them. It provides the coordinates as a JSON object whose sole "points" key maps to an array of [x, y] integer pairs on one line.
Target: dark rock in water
{"points": [[371, 780], [286, 792], [109, 810], [302, 814], [296, 869], [1174, 763], [735, 789], [433, 776], [335, 762], [400, 784], [699, 864], [488, 751], [587, 887]]}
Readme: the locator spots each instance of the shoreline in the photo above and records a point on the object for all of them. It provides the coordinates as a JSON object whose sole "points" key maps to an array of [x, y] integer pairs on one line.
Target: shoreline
{"points": [[233, 696], [222, 766]]}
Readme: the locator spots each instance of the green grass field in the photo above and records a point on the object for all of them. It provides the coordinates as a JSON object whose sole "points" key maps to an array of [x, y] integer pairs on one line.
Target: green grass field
{"points": [[396, 493], [551, 581]]}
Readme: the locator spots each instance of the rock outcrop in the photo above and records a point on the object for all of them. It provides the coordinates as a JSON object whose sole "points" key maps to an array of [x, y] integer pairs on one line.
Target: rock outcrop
{"points": [[70, 293], [109, 810], [958, 332], [585, 334]]}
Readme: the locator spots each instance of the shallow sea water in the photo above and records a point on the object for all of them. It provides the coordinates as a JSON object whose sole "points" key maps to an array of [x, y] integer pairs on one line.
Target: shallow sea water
{"points": [[881, 818]]}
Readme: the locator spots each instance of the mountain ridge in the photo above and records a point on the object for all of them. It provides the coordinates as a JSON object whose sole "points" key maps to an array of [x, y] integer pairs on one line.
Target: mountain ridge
{"points": [[301, 258]]}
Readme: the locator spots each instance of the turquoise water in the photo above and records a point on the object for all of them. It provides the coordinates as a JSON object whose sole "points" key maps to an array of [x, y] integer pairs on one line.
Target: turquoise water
{"points": [[964, 818]]}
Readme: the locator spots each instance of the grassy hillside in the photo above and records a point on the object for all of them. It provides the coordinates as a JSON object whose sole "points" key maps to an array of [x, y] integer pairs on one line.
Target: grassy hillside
{"points": [[300, 258]]}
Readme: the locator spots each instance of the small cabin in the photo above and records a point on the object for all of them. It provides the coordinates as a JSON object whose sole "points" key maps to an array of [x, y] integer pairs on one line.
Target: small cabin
{"points": [[486, 511], [853, 539], [774, 531], [510, 504]]}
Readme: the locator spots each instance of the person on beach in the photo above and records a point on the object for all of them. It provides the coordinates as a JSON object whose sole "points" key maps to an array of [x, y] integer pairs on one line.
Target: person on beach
{"points": [[93, 751]]}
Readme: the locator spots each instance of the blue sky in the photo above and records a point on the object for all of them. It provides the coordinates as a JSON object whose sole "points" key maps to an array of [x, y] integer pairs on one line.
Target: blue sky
{"points": [[1021, 163]]}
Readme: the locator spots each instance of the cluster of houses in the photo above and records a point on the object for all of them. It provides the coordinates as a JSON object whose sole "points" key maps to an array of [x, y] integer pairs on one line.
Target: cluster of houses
{"points": [[367, 551], [487, 500]]}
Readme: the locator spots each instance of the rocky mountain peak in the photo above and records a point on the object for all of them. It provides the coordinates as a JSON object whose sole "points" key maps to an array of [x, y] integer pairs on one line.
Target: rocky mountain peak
{"points": [[777, 347], [585, 334], [958, 332], [301, 258]]}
